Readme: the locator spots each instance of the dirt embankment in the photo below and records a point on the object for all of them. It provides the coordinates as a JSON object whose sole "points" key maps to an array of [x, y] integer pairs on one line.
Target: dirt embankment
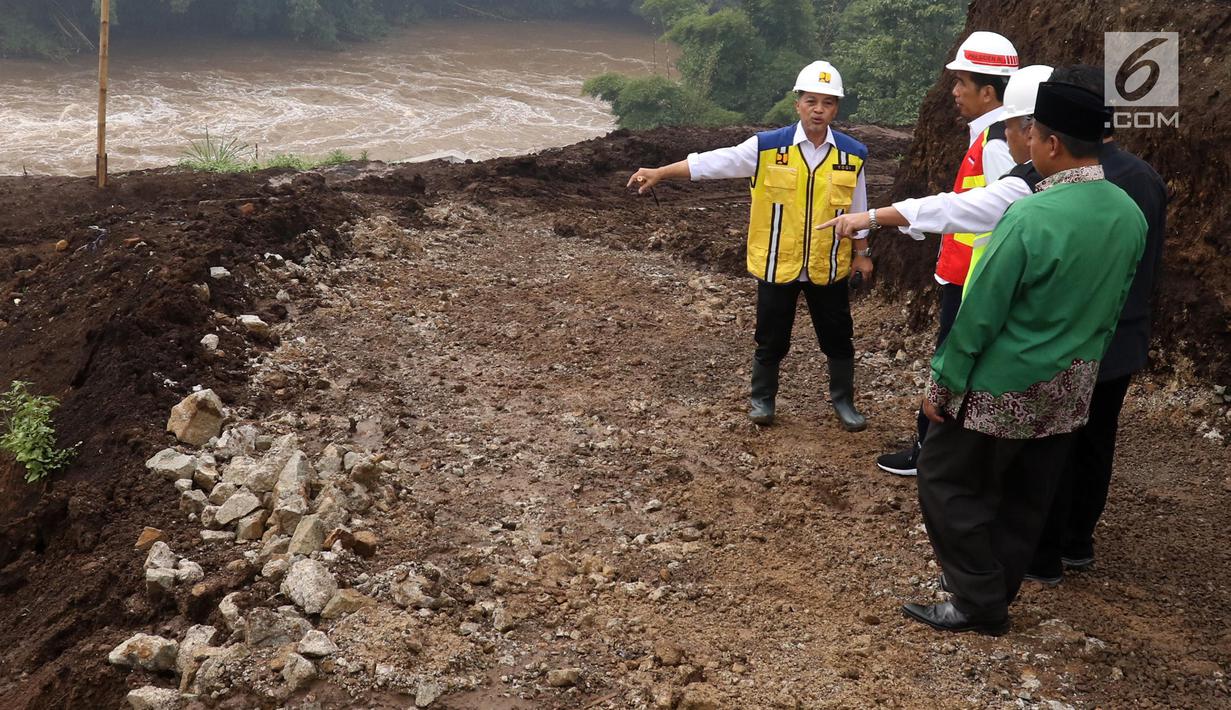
{"points": [[563, 395], [1192, 314]]}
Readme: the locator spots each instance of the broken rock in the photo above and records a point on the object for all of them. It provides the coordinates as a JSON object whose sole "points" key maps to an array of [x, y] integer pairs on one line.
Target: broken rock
{"points": [[251, 527], [291, 491], [298, 671], [309, 536], [236, 507], [158, 579], [237, 441], [189, 572], [160, 557], [153, 653], [199, 636], [152, 697], [172, 465], [193, 501], [316, 644], [346, 601], [148, 537], [197, 419], [564, 677], [267, 627], [427, 693], [310, 585], [254, 325]]}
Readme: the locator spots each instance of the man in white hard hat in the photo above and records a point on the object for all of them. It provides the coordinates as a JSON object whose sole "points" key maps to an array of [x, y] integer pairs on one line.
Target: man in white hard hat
{"points": [[800, 176], [982, 68]]}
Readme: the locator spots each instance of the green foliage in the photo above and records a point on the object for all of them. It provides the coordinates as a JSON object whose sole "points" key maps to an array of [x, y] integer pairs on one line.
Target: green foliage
{"points": [[228, 155], [888, 73], [30, 436], [664, 13], [744, 55], [645, 102], [782, 112]]}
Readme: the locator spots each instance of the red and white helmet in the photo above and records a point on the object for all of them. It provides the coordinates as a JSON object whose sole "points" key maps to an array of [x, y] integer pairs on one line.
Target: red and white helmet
{"points": [[985, 53]]}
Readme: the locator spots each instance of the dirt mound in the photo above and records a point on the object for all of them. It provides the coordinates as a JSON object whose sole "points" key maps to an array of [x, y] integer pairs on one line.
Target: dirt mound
{"points": [[100, 310], [584, 184], [1192, 316]]}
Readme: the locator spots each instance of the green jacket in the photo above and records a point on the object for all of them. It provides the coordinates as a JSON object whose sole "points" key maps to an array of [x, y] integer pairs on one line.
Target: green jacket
{"points": [[1023, 356]]}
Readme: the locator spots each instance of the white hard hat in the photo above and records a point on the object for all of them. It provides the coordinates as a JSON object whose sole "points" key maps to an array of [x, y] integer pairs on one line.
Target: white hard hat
{"points": [[985, 53], [820, 77], [1023, 87]]}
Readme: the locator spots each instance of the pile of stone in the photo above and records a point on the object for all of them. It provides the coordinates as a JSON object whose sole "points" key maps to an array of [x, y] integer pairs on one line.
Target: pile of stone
{"points": [[250, 487], [294, 515]]}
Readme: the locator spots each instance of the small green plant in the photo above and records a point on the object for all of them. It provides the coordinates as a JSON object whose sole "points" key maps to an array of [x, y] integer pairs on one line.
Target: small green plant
{"points": [[30, 436], [287, 160], [337, 157], [218, 155]]}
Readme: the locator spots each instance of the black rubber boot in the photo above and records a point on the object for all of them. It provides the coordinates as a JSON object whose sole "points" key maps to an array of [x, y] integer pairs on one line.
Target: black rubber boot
{"points": [[764, 390], [842, 394]]}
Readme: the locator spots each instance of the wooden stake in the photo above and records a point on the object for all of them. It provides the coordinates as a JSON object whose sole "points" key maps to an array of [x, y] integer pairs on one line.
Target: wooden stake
{"points": [[104, 44]]}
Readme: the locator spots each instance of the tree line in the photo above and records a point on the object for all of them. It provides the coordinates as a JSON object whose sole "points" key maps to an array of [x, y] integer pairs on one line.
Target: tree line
{"points": [[739, 59]]}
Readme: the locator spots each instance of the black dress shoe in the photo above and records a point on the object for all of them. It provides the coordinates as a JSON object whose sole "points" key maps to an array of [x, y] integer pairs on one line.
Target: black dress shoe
{"points": [[947, 617], [944, 584]]}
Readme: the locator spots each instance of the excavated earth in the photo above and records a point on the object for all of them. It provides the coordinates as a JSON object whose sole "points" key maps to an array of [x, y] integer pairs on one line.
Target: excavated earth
{"points": [[555, 371]]}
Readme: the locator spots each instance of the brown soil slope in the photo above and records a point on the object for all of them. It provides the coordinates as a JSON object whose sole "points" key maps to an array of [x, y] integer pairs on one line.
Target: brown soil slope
{"points": [[1193, 309]]}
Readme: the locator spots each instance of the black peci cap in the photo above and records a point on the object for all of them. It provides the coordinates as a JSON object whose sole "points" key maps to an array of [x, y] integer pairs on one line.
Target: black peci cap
{"points": [[1071, 110]]}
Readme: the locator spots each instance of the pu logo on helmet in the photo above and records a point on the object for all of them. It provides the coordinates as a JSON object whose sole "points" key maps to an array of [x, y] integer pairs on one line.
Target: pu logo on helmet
{"points": [[826, 77]]}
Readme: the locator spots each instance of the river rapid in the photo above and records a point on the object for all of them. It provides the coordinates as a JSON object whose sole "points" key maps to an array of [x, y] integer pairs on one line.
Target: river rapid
{"points": [[473, 89]]}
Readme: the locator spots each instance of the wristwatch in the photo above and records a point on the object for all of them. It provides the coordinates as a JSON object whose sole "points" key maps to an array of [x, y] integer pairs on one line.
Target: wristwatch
{"points": [[864, 252]]}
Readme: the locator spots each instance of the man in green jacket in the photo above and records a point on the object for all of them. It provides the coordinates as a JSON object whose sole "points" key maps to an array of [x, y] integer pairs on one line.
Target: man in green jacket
{"points": [[1014, 378]]}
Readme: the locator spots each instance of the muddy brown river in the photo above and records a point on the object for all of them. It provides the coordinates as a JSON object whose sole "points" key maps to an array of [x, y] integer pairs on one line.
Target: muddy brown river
{"points": [[476, 89]]}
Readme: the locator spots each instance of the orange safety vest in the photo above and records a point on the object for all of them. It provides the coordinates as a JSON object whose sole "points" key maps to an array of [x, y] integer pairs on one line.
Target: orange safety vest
{"points": [[955, 249]]}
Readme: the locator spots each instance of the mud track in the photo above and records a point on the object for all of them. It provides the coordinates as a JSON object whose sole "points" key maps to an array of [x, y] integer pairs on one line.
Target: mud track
{"points": [[560, 371]]}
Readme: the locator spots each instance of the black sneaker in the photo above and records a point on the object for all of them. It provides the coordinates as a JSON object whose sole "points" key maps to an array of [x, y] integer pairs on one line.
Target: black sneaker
{"points": [[901, 463], [1077, 564]]}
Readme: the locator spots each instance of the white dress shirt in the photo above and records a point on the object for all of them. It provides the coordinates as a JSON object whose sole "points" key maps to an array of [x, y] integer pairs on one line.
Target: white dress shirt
{"points": [[740, 161], [974, 211]]}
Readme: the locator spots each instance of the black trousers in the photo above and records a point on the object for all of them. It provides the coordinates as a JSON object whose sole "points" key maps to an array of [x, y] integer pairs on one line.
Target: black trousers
{"points": [[950, 301], [1082, 493], [985, 501], [830, 307]]}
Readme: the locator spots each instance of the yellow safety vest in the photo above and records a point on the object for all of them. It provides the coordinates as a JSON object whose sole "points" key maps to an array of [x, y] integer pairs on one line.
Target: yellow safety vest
{"points": [[789, 200]]}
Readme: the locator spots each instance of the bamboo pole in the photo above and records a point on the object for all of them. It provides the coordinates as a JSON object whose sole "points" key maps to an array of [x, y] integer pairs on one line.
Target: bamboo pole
{"points": [[104, 45]]}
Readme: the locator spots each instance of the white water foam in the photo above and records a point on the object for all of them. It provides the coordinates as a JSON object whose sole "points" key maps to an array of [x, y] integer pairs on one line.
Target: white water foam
{"points": [[479, 89]]}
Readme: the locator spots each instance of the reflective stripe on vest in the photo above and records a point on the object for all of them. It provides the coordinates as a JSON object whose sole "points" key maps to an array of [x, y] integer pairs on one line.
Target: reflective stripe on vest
{"points": [[787, 197], [956, 249]]}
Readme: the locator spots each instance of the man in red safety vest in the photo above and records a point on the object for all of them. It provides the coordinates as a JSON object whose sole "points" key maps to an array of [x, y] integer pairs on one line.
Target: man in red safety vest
{"points": [[982, 68]]}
